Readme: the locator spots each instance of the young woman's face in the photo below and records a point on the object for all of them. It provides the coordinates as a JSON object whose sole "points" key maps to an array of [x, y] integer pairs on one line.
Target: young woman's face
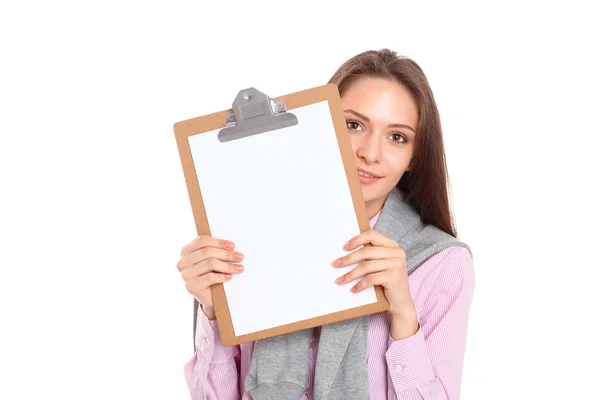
{"points": [[381, 118]]}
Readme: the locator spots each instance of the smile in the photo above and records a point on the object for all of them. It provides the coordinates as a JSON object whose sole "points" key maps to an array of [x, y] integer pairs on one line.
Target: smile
{"points": [[367, 177]]}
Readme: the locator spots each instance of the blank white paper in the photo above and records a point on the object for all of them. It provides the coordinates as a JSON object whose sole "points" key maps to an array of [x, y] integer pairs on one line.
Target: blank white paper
{"points": [[282, 197]]}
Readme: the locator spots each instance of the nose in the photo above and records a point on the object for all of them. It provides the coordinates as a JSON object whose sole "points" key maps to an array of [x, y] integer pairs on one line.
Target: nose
{"points": [[369, 148]]}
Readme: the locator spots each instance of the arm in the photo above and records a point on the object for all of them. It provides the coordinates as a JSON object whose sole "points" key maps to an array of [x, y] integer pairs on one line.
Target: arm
{"points": [[428, 364], [212, 373]]}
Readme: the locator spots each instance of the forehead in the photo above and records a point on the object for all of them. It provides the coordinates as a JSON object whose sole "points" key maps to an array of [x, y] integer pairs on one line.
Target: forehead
{"points": [[382, 101]]}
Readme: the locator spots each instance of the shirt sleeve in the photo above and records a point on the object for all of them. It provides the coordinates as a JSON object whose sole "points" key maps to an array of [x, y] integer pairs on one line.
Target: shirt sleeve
{"points": [[428, 365], [213, 371]]}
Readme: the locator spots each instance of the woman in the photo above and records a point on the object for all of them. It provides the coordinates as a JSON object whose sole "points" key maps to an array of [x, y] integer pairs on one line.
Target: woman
{"points": [[415, 350]]}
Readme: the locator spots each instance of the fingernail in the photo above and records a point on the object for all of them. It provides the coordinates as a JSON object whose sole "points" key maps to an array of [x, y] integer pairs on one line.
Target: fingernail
{"points": [[337, 262], [340, 279], [353, 290], [229, 245], [238, 256], [239, 267], [347, 246], [228, 276]]}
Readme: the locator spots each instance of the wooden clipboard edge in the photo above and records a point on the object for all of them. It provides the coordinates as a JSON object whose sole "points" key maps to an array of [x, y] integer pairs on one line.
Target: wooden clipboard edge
{"points": [[305, 324], [339, 123], [184, 129]]}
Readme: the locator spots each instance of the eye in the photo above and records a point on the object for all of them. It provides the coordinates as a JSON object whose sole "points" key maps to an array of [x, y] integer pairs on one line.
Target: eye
{"points": [[353, 125], [398, 138]]}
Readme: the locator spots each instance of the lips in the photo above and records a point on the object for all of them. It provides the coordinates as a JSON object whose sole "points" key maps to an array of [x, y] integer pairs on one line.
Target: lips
{"points": [[367, 174]]}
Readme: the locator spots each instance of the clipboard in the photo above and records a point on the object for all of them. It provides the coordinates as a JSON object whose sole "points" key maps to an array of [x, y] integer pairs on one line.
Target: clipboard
{"points": [[262, 125]]}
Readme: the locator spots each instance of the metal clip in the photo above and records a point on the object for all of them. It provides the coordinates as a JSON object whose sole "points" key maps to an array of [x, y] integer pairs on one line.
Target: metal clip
{"points": [[253, 112]]}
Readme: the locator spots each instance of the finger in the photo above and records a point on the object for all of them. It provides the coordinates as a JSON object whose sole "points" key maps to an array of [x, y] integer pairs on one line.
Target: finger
{"points": [[206, 241], [378, 278], [214, 252], [213, 278], [211, 265], [367, 253], [370, 237], [204, 283], [367, 267], [205, 253]]}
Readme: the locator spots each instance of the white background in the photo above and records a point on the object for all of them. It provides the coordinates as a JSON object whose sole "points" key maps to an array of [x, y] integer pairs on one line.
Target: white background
{"points": [[94, 209]]}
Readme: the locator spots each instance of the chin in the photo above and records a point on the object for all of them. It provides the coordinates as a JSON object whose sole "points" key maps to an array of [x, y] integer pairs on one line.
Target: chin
{"points": [[374, 192], [369, 193]]}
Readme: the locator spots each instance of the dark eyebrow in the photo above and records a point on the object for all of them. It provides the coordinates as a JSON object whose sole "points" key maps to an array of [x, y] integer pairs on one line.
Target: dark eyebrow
{"points": [[389, 126]]}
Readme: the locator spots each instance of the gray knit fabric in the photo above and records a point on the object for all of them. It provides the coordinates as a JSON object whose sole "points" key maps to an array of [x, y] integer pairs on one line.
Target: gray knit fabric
{"points": [[279, 367]]}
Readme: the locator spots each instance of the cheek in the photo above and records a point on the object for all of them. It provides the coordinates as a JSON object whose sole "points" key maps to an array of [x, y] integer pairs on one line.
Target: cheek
{"points": [[397, 161], [354, 143]]}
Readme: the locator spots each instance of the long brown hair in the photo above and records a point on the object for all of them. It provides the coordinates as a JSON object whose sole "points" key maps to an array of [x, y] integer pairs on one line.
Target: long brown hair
{"points": [[426, 183]]}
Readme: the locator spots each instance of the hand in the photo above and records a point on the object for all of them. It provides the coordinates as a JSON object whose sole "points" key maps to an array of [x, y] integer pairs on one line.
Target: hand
{"points": [[203, 263], [383, 263]]}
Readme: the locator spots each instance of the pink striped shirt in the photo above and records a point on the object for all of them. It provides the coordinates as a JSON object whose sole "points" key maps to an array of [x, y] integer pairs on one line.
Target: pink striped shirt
{"points": [[425, 366]]}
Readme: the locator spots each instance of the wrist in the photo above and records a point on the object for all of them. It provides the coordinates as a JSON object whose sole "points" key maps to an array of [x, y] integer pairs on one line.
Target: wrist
{"points": [[209, 311], [406, 312], [403, 325]]}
